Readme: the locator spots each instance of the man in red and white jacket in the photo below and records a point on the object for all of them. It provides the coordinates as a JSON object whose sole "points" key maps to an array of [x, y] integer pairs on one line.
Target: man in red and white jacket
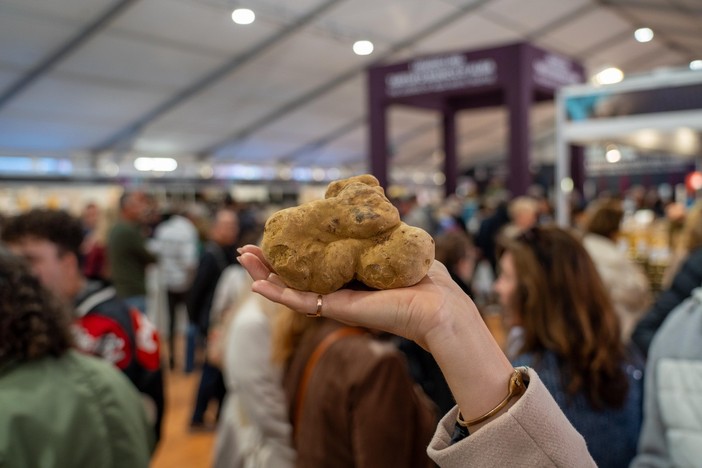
{"points": [[103, 324]]}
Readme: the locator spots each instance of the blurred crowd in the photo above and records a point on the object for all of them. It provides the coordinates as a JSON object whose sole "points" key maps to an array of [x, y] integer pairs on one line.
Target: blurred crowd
{"points": [[154, 289]]}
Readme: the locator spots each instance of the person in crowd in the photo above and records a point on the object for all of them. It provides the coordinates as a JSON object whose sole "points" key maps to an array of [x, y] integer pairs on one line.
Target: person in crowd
{"points": [[89, 217], [254, 430], [675, 214], [523, 215], [231, 291], [414, 214], [455, 250], [218, 254], [126, 250], [508, 417], [103, 324], [626, 283], [571, 337], [672, 421], [350, 396], [176, 245], [60, 408], [94, 248], [449, 216], [687, 278], [490, 227]]}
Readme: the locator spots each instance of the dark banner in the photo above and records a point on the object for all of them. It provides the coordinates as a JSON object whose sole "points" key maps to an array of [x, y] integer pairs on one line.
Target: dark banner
{"points": [[608, 104]]}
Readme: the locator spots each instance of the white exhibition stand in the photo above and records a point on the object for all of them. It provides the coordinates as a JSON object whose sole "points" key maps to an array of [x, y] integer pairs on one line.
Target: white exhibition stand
{"points": [[589, 128]]}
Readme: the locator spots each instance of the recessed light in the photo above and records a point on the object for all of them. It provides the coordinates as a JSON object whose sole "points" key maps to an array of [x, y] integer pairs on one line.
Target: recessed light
{"points": [[613, 155], [243, 16], [609, 75], [155, 164], [643, 34], [363, 47]]}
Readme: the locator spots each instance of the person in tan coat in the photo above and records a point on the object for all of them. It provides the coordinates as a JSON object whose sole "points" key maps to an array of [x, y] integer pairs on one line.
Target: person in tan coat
{"points": [[626, 283], [508, 417]]}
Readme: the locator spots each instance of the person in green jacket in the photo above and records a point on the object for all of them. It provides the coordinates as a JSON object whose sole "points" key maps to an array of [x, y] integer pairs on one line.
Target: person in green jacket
{"points": [[59, 408], [126, 250]]}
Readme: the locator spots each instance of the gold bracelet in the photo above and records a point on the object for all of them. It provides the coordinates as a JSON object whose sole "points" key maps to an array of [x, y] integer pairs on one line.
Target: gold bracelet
{"points": [[516, 387]]}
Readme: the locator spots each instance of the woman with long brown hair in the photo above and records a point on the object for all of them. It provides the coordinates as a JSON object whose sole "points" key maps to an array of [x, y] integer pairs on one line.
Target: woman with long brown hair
{"points": [[570, 336]]}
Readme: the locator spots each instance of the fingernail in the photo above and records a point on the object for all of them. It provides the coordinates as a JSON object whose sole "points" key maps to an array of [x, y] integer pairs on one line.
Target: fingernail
{"points": [[240, 250], [238, 259]]}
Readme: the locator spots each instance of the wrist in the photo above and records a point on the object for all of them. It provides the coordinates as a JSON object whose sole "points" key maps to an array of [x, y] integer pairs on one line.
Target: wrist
{"points": [[516, 387]]}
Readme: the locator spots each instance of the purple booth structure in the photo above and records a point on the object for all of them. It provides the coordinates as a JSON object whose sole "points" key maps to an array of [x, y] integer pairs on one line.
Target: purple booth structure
{"points": [[515, 76]]}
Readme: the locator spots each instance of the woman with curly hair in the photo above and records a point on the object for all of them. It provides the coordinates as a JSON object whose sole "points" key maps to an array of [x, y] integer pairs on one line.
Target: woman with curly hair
{"points": [[60, 408], [571, 337]]}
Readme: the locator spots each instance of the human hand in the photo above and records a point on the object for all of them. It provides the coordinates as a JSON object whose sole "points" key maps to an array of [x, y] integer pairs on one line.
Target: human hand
{"points": [[419, 312]]}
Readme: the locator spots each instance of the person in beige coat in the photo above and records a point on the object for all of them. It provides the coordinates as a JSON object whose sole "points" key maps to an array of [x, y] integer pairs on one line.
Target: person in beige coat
{"points": [[508, 416], [626, 282]]}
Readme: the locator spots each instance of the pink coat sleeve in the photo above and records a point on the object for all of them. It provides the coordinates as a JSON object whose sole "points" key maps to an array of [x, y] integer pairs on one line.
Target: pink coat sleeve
{"points": [[534, 432]]}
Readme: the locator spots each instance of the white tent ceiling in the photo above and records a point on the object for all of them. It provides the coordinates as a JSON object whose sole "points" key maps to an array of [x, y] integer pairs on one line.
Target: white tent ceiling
{"points": [[118, 78]]}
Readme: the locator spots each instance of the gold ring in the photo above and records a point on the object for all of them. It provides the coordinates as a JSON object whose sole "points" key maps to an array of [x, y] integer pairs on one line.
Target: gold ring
{"points": [[318, 312]]}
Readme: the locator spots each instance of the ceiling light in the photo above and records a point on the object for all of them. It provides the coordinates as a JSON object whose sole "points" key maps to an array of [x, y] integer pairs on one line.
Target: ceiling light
{"points": [[363, 47], [696, 65], [206, 171], [318, 174], [609, 75], [643, 34], [567, 185], [155, 164], [613, 155], [243, 16]]}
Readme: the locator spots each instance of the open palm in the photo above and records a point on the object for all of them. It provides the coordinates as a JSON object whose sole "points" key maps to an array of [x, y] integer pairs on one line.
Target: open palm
{"points": [[412, 312]]}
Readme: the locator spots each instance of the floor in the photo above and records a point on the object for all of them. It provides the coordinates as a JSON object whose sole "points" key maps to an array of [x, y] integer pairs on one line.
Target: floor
{"points": [[179, 447]]}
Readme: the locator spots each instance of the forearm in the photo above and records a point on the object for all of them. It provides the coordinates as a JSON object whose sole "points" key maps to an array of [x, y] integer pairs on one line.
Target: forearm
{"points": [[476, 369]]}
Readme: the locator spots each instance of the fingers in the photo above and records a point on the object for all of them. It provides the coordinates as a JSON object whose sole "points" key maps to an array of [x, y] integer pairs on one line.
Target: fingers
{"points": [[275, 279], [300, 301], [253, 264], [257, 268], [255, 250]]}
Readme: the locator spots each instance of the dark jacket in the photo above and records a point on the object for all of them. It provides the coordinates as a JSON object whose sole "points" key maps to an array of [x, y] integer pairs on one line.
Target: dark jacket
{"points": [[685, 280], [214, 259], [490, 227], [107, 327], [426, 372]]}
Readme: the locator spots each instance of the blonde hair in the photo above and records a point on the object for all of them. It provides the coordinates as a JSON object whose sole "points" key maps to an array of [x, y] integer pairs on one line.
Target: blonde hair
{"points": [[523, 205], [288, 329], [691, 235]]}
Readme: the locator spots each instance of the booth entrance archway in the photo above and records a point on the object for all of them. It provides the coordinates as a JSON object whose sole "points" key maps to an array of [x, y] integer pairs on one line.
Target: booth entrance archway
{"points": [[515, 76]]}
